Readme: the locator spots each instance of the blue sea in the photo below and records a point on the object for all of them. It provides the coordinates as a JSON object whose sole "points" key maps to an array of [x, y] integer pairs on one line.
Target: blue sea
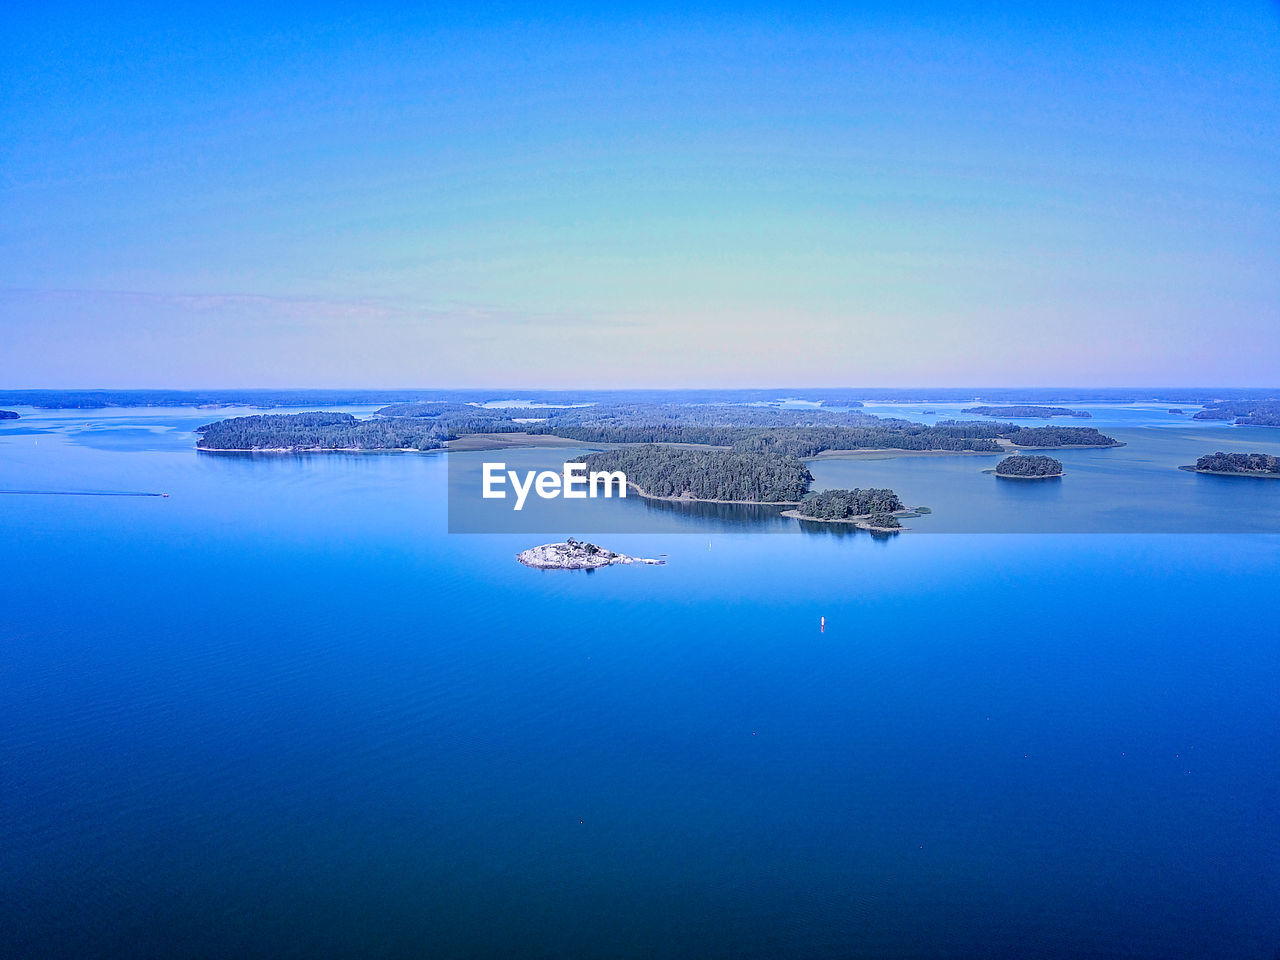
{"points": [[283, 713]]}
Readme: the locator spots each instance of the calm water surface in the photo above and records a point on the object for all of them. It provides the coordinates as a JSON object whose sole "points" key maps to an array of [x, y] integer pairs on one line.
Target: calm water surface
{"points": [[283, 713]]}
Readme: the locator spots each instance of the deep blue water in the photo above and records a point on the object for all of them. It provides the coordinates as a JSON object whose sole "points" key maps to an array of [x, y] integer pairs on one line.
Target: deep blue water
{"points": [[283, 713]]}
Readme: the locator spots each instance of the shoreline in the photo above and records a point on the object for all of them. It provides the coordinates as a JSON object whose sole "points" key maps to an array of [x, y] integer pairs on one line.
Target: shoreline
{"points": [[279, 450], [893, 453], [1072, 446], [1255, 474], [472, 442], [743, 503], [861, 522], [481, 442], [468, 443]]}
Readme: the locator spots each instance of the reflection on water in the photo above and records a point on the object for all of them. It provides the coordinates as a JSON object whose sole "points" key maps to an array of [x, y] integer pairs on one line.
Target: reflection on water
{"points": [[758, 517]]}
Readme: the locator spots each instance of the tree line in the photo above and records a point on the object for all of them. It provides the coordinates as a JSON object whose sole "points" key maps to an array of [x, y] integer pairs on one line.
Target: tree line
{"points": [[1058, 437], [317, 431], [1245, 413], [662, 471], [1029, 466], [1239, 463], [878, 502], [1027, 411], [758, 431]]}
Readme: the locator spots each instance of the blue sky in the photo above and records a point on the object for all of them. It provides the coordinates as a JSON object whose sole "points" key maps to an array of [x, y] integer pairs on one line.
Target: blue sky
{"points": [[1085, 195]]}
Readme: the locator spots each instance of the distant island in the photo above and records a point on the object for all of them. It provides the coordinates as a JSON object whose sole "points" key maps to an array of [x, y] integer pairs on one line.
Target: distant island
{"points": [[1237, 465], [316, 432], [1027, 412], [737, 428], [742, 453], [575, 555], [871, 509], [8, 415], [1029, 467], [1176, 410], [1244, 413]]}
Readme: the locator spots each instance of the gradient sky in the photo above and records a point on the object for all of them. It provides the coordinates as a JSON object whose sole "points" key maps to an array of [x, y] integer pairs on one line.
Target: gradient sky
{"points": [[1076, 194]]}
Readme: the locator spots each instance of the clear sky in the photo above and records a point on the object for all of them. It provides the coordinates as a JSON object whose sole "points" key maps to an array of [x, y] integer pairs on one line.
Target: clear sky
{"points": [[671, 197]]}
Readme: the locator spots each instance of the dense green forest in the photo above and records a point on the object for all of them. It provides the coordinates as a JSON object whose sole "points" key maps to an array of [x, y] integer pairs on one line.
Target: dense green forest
{"points": [[1029, 466], [1026, 412], [8, 415], [705, 415], [755, 430], [810, 441], [664, 471], [794, 432], [846, 504], [318, 431], [745, 429], [449, 409], [1059, 437], [1239, 463], [797, 442], [1249, 413], [426, 408]]}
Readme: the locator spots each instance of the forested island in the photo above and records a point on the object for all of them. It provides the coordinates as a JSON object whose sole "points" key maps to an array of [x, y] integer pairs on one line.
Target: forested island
{"points": [[770, 431], [675, 473], [1060, 437], [8, 415], [295, 432], [1026, 412], [1237, 464], [746, 429], [1244, 413], [800, 433], [871, 509], [1029, 467], [721, 453], [753, 429]]}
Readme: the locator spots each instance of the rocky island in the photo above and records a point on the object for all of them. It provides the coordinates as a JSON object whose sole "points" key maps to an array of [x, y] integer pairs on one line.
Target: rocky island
{"points": [[8, 415], [1024, 467], [575, 555], [1237, 465]]}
